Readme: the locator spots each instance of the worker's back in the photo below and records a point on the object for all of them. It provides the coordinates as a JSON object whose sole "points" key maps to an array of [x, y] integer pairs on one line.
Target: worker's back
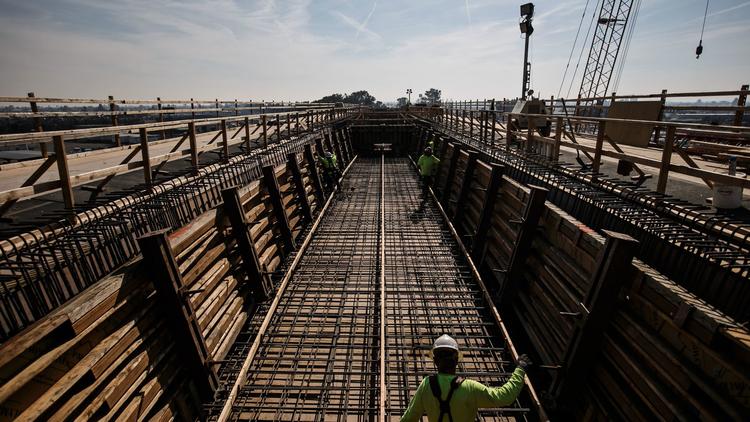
{"points": [[467, 398]]}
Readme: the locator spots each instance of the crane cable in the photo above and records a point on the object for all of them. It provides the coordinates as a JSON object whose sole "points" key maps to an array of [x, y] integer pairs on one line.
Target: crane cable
{"points": [[699, 49], [628, 38], [567, 66], [583, 47]]}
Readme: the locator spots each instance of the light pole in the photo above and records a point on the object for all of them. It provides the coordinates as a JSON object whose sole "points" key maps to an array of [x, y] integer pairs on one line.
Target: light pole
{"points": [[408, 92], [527, 13]]}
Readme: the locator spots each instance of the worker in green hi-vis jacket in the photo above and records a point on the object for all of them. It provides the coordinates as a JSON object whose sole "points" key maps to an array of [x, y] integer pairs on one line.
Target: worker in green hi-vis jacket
{"points": [[447, 397], [428, 165]]}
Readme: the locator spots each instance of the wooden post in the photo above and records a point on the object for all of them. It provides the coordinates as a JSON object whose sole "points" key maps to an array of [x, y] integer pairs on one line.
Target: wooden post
{"points": [[225, 140], [337, 149], [485, 214], [312, 170], [471, 124], [522, 247], [162, 133], [265, 130], [666, 159], [247, 133], [193, 147], [446, 194], [63, 172], [299, 185], [236, 108], [259, 281], [112, 110], [599, 145], [217, 107], [741, 102], [38, 126], [319, 147], [560, 129], [288, 126], [146, 157], [278, 128], [297, 128], [613, 269], [508, 131], [277, 203], [164, 273], [471, 165], [192, 107], [657, 131]]}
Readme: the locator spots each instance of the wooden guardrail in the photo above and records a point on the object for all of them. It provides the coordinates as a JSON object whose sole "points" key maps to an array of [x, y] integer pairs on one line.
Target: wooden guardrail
{"points": [[145, 342], [73, 170], [614, 338]]}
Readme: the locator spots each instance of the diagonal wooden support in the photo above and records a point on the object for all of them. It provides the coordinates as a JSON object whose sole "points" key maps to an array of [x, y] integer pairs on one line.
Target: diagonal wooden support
{"points": [[164, 272], [613, 269], [471, 165], [522, 247], [485, 215], [258, 279], [299, 185], [272, 185], [312, 170], [446, 194]]}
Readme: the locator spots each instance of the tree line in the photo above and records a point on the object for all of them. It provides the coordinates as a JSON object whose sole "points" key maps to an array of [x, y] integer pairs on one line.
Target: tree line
{"points": [[430, 97]]}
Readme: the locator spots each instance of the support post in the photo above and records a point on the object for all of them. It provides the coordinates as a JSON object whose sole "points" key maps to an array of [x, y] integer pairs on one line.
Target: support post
{"points": [[164, 272], [559, 130], [337, 149], [479, 239], [663, 100], [112, 110], [193, 147], [446, 194], [299, 185], [614, 266], [666, 159], [225, 140], [63, 172], [247, 133], [265, 130], [278, 128], [471, 165], [259, 281], [528, 226], [599, 145], [312, 170], [38, 126], [146, 156], [741, 102], [272, 185], [162, 133]]}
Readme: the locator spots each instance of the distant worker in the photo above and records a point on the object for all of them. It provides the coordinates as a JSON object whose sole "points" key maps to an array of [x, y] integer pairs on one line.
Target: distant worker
{"points": [[428, 165], [331, 172], [447, 397]]}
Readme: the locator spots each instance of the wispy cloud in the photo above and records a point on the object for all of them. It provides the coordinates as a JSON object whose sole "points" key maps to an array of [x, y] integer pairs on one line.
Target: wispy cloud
{"points": [[359, 27], [468, 11]]}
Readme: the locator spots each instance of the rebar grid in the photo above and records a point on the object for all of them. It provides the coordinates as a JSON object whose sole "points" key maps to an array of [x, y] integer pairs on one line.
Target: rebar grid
{"points": [[318, 359], [429, 292]]}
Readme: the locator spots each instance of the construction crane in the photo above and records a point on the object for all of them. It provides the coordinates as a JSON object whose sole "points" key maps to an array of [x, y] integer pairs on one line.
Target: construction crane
{"points": [[610, 32]]}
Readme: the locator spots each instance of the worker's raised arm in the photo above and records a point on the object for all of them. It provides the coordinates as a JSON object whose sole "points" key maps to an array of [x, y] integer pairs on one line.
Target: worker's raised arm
{"points": [[416, 409], [500, 396]]}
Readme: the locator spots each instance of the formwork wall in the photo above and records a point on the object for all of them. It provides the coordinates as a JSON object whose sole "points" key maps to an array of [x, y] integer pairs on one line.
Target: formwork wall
{"points": [[117, 349], [612, 344]]}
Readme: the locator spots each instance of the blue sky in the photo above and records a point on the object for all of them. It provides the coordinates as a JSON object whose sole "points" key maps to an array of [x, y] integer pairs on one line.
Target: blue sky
{"points": [[302, 49]]}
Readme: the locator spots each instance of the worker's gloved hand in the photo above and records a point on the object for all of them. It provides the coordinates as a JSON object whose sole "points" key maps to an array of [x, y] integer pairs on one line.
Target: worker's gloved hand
{"points": [[524, 362]]}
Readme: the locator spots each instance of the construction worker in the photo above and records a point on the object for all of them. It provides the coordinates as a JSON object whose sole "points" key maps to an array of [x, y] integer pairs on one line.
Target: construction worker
{"points": [[447, 397], [330, 170], [428, 165]]}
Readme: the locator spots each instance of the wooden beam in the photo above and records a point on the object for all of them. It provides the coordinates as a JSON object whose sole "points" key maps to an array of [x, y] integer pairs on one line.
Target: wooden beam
{"points": [[614, 267], [471, 165], [272, 185], [63, 172], [446, 194], [666, 159], [225, 140], [485, 214], [260, 283], [194, 160], [600, 133], [522, 245], [146, 157], [299, 185], [312, 170]]}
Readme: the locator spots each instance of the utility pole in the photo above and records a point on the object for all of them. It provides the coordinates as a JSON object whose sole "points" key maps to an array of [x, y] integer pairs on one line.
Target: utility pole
{"points": [[408, 92], [527, 13]]}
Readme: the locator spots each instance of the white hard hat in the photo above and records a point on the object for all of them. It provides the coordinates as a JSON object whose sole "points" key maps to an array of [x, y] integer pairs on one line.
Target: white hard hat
{"points": [[445, 342]]}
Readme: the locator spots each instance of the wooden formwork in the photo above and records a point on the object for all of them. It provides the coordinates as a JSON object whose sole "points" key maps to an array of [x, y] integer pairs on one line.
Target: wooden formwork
{"points": [[656, 352], [115, 350]]}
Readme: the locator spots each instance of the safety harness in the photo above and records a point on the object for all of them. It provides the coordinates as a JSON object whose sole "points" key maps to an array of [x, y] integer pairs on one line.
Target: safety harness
{"points": [[445, 405]]}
